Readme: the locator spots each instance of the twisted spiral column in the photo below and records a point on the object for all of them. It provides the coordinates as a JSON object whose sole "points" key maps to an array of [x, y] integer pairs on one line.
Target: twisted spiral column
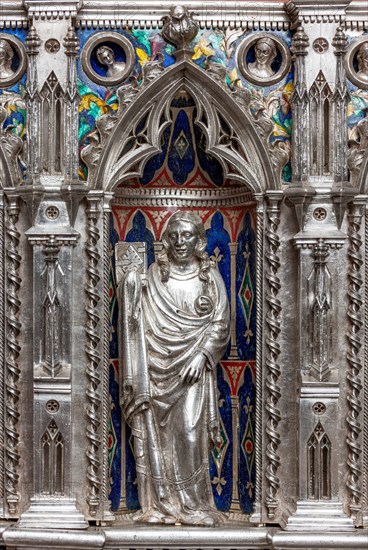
{"points": [[365, 396], [93, 332], [354, 336], [106, 358], [12, 376], [259, 322], [273, 351], [2, 352]]}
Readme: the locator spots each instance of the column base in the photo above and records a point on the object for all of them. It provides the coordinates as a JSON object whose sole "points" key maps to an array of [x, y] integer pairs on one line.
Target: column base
{"points": [[108, 515], [49, 514], [319, 516]]}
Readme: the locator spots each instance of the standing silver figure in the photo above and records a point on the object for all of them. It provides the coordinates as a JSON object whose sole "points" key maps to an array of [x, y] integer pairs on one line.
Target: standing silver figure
{"points": [[174, 330]]}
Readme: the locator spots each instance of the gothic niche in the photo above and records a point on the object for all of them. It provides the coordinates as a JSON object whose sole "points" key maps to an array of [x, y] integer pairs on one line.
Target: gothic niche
{"points": [[51, 135], [52, 445], [184, 176], [320, 99], [319, 465]]}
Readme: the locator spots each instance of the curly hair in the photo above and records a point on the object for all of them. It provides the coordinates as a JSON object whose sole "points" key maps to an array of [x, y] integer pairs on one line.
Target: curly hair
{"points": [[200, 249]]}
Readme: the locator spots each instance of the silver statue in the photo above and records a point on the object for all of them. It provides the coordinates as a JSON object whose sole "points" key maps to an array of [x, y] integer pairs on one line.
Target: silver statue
{"points": [[174, 330], [106, 56], [6, 58], [362, 58], [265, 52]]}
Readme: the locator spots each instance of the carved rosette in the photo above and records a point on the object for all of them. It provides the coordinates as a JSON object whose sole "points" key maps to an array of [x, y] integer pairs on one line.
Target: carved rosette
{"points": [[93, 336], [273, 370], [355, 342], [12, 376]]}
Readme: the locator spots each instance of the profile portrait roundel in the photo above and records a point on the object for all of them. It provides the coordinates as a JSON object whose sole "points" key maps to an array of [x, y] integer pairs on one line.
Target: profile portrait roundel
{"points": [[108, 58], [13, 60], [263, 59]]}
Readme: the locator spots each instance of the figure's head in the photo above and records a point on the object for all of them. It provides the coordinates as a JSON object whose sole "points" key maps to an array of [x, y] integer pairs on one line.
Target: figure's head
{"points": [[6, 55], [178, 12], [184, 237], [105, 55], [265, 51], [362, 57]]}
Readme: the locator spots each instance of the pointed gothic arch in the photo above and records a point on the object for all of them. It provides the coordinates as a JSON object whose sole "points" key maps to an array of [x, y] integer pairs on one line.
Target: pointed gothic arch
{"points": [[232, 135]]}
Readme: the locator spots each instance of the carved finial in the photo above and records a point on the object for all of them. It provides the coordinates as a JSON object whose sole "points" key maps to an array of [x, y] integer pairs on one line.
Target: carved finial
{"points": [[33, 41], [293, 12], [300, 42], [340, 42], [179, 28], [71, 43]]}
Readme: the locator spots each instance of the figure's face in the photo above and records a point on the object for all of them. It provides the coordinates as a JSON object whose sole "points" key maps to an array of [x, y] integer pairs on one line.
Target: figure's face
{"points": [[4, 57], [106, 57], [364, 57], [183, 239], [178, 12], [263, 53]]}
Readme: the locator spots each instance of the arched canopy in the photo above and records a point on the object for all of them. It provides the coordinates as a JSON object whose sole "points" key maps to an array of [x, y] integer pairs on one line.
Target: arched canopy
{"points": [[231, 134]]}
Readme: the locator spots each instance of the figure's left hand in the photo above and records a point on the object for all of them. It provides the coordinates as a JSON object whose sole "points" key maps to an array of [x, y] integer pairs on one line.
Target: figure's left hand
{"points": [[194, 368]]}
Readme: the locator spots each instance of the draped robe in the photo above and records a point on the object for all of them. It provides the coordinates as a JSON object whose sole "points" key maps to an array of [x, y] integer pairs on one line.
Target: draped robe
{"points": [[163, 325]]}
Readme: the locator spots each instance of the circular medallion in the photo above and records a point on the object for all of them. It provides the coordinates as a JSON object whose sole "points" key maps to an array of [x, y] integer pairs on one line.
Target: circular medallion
{"points": [[320, 45], [320, 214], [52, 45], [263, 59], [13, 60], [52, 406], [356, 62], [52, 212], [319, 408], [108, 58]]}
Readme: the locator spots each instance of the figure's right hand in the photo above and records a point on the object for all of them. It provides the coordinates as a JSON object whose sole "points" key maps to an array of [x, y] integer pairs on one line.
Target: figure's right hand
{"points": [[194, 368]]}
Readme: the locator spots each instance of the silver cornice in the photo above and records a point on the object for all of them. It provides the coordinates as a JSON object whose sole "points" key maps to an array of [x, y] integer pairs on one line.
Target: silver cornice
{"points": [[183, 197], [262, 15]]}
